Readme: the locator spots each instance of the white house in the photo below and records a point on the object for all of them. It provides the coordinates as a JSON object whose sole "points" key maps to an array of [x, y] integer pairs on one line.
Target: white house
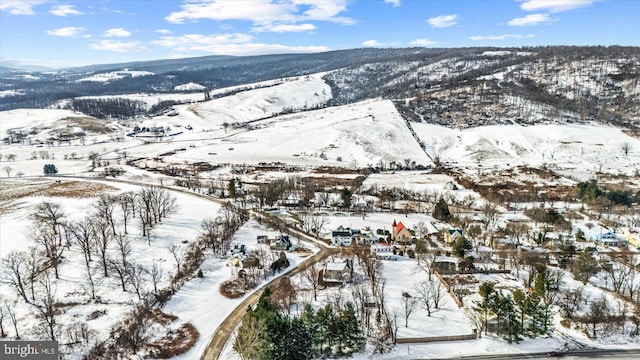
{"points": [[383, 251], [337, 272], [612, 239], [344, 236]]}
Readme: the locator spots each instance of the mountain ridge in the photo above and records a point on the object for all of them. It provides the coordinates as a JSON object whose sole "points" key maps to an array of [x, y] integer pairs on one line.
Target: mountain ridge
{"points": [[456, 87]]}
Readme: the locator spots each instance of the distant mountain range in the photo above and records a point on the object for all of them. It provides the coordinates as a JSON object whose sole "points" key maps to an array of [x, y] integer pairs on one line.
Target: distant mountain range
{"points": [[459, 87]]}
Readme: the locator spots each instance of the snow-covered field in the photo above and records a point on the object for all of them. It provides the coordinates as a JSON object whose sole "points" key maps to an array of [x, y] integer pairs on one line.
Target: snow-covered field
{"points": [[115, 75], [589, 148]]}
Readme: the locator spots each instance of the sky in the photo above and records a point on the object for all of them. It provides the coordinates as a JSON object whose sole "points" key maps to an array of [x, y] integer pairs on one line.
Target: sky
{"points": [[73, 33]]}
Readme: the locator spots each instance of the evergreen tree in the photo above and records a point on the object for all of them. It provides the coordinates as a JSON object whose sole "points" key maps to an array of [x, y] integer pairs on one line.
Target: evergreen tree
{"points": [[324, 318], [50, 169], [300, 340], [249, 342], [487, 292], [460, 246], [345, 195], [349, 331], [441, 211], [310, 323], [520, 300], [585, 266], [567, 252], [231, 188], [541, 289]]}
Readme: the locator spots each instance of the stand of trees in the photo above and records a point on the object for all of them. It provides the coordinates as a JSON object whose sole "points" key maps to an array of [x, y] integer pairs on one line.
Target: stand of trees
{"points": [[266, 333], [517, 314], [100, 238]]}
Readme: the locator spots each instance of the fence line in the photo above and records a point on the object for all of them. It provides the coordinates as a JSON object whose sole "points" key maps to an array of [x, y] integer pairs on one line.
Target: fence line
{"points": [[435, 339]]}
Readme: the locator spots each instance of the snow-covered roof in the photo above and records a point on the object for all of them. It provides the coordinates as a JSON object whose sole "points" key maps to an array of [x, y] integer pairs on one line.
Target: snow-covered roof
{"points": [[336, 266]]}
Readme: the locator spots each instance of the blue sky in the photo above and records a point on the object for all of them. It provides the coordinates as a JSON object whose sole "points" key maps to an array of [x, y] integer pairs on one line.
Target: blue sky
{"points": [[72, 33]]}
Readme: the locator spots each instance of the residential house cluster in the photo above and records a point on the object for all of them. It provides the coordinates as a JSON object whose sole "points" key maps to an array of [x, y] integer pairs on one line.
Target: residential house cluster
{"points": [[279, 243]]}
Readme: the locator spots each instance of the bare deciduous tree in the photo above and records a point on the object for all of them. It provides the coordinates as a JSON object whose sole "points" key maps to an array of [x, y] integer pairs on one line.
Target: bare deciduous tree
{"points": [[156, 276], [2, 333], [105, 207], [177, 252], [409, 304], [83, 232], [33, 261], [122, 270], [101, 242], [124, 249], [51, 243], [14, 319], [89, 276], [13, 272], [44, 308], [311, 274], [126, 202], [430, 294], [426, 263], [210, 233], [626, 148], [137, 278]]}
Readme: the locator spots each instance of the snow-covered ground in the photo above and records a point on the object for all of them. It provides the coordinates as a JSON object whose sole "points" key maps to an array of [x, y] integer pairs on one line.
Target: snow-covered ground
{"points": [[115, 75], [588, 148]]}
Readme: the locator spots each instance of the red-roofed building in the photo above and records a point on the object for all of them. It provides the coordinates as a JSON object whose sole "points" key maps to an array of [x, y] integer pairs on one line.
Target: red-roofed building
{"points": [[399, 233]]}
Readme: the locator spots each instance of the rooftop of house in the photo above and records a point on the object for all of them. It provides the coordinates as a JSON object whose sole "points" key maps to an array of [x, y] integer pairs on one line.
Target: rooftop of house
{"points": [[336, 266]]}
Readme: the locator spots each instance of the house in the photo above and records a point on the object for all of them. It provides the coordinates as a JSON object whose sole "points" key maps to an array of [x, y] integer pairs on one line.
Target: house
{"points": [[400, 233], [344, 236], [446, 264], [612, 239], [450, 235], [632, 236], [383, 251], [337, 272], [281, 243], [239, 249], [484, 253]]}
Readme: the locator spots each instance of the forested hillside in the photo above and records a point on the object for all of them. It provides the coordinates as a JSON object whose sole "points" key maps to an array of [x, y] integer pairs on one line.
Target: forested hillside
{"points": [[463, 87]]}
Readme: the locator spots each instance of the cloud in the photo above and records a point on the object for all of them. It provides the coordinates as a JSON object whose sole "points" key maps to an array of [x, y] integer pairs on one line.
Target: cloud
{"points": [[118, 46], [265, 14], [530, 20], [248, 49], [284, 28], [554, 5], [163, 31], [116, 32], [443, 21], [372, 43], [66, 31], [198, 40], [423, 42], [236, 44], [395, 3], [500, 37], [64, 10], [19, 7]]}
